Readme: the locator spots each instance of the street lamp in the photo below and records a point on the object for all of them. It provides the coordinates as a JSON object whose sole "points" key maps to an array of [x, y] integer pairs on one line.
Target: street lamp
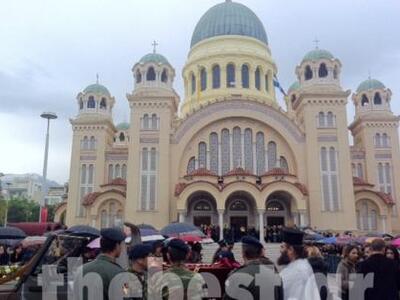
{"points": [[49, 116]]}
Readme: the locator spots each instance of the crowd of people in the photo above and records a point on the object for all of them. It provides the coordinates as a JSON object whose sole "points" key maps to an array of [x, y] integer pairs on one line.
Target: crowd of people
{"points": [[300, 272], [10, 255]]}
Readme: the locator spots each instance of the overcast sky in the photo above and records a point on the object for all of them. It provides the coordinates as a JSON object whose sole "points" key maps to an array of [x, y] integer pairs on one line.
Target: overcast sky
{"points": [[51, 50]]}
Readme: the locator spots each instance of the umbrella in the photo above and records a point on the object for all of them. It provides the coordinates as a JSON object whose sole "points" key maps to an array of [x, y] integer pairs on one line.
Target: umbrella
{"points": [[152, 238], [313, 237], [9, 242], [33, 241], [11, 233], [190, 238], [146, 232], [396, 243], [95, 244], [146, 226], [328, 240], [344, 240], [83, 230], [180, 229]]}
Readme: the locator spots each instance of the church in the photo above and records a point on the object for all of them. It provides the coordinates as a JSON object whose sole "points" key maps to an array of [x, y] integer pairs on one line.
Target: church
{"points": [[226, 153]]}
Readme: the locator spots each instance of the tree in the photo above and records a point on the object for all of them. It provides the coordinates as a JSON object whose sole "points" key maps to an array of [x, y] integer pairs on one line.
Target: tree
{"points": [[22, 210]]}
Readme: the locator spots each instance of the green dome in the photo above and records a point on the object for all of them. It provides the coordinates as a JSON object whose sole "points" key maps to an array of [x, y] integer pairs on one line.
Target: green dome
{"points": [[154, 58], [229, 18], [318, 54], [295, 86], [123, 126], [370, 84], [97, 89]]}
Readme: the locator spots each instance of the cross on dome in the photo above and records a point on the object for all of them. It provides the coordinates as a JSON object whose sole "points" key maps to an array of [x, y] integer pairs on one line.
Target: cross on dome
{"points": [[154, 44], [97, 78], [316, 41]]}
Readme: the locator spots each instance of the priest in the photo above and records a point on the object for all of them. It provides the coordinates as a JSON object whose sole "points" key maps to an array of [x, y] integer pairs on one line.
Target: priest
{"points": [[298, 279]]}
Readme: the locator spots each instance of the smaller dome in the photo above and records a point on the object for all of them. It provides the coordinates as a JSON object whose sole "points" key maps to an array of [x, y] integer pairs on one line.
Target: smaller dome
{"points": [[370, 84], [123, 126], [97, 88], [317, 54], [295, 86], [154, 58]]}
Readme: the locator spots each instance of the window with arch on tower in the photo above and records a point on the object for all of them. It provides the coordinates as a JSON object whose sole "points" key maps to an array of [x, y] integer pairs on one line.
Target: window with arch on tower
{"points": [[377, 99], [145, 122], [322, 71], [266, 83], [138, 76], [364, 100], [245, 76], [203, 79], [378, 142], [330, 186], [257, 79], [80, 104], [103, 103], [154, 122], [85, 143], [92, 143], [385, 177], [308, 74], [151, 74], [91, 103], [230, 76], [216, 77], [214, 164], [164, 76], [193, 85]]}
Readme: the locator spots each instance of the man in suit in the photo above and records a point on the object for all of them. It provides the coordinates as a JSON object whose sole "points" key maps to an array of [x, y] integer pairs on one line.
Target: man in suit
{"points": [[386, 280]]}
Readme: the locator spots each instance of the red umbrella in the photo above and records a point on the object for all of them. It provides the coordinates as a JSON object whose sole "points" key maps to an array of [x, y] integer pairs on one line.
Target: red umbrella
{"points": [[190, 238]]}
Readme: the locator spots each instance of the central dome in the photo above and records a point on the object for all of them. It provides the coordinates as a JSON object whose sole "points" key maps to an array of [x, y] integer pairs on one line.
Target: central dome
{"points": [[229, 18]]}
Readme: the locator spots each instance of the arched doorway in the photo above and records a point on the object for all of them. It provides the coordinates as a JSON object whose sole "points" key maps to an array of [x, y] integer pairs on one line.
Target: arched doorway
{"points": [[240, 214], [367, 215], [111, 214], [277, 209], [202, 209]]}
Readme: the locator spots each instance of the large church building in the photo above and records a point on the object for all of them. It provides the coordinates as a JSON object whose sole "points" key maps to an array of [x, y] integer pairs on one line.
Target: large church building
{"points": [[226, 153]]}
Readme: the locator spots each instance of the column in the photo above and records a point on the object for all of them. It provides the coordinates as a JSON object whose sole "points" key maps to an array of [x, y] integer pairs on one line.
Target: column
{"points": [[383, 220], [221, 223], [181, 216], [261, 213], [303, 218]]}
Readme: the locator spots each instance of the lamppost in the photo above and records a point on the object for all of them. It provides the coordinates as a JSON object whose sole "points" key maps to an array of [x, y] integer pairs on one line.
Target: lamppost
{"points": [[49, 116]]}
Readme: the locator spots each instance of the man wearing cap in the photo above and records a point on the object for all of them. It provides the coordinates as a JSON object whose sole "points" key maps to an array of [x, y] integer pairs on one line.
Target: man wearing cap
{"points": [[263, 282], [178, 282], [105, 265], [138, 257], [298, 279]]}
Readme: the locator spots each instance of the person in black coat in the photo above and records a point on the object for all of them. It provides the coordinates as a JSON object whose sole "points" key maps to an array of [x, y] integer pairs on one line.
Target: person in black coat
{"points": [[386, 282]]}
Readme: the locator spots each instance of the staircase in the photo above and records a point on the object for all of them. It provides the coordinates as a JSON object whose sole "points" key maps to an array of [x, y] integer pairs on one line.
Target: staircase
{"points": [[272, 251]]}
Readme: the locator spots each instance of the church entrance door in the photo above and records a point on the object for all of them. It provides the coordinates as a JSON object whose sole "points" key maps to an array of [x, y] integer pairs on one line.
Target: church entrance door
{"points": [[201, 220]]}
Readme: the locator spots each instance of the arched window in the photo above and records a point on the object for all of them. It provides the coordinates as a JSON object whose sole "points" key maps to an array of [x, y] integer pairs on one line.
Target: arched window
{"points": [[110, 172], [191, 166], [266, 83], [203, 79], [321, 119], [335, 72], [154, 122], [248, 150], [91, 103], [193, 80], [202, 206], [138, 76], [257, 78], [225, 151], [330, 188], [103, 219], [330, 120], [123, 171], [151, 74], [322, 71], [80, 104], [377, 99], [90, 174], [145, 159], [388, 178], [121, 137], [271, 155], [364, 100], [146, 121], [385, 140], [360, 172], [216, 77], [230, 76], [117, 171], [238, 205], [245, 76], [153, 159], [378, 140], [214, 152], [237, 147], [202, 155], [260, 153], [293, 99], [85, 143], [308, 73], [164, 76], [92, 143], [103, 103], [284, 164]]}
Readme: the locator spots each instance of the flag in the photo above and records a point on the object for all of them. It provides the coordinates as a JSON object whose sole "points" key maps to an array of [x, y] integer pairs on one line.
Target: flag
{"points": [[277, 84]]}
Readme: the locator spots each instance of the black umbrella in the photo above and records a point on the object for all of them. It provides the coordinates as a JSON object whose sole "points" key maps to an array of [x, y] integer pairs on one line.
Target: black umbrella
{"points": [[12, 233], [83, 230], [177, 229]]}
